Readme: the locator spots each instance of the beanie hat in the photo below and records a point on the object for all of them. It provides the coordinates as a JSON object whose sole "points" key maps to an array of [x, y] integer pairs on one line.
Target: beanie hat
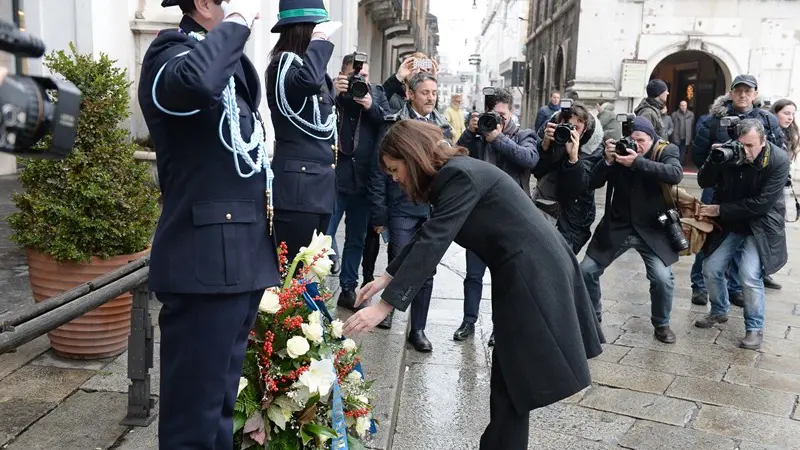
{"points": [[656, 87], [644, 125]]}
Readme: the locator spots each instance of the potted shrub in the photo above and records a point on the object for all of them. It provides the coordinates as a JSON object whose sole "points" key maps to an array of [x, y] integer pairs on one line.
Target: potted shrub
{"points": [[90, 213]]}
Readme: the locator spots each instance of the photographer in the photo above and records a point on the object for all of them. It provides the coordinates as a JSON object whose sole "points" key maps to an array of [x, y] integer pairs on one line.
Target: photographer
{"points": [[748, 176], [361, 109], [742, 102], [513, 150], [633, 212], [571, 147]]}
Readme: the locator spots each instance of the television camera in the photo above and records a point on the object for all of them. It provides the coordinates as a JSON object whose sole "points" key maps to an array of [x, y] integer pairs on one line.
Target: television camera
{"points": [[27, 107]]}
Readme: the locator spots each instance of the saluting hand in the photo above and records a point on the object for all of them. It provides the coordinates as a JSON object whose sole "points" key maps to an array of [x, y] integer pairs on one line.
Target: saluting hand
{"points": [[248, 9]]}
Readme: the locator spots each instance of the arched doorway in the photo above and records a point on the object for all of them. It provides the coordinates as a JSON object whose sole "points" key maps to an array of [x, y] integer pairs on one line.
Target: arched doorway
{"points": [[694, 76], [558, 71]]}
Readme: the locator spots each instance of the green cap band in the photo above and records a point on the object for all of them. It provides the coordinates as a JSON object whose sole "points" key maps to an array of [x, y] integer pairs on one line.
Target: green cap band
{"points": [[303, 12]]}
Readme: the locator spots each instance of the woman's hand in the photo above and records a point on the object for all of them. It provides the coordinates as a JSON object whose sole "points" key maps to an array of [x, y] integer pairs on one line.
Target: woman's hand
{"points": [[573, 146], [367, 318], [373, 287]]}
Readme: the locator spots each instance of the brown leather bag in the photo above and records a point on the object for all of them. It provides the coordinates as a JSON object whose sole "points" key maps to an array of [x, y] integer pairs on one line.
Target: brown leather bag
{"points": [[695, 227]]}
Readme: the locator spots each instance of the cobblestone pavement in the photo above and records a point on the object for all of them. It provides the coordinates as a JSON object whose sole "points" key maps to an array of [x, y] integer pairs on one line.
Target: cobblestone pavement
{"points": [[700, 393]]}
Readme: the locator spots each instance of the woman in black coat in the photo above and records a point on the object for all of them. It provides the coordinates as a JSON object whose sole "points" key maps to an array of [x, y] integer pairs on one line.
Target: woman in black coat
{"points": [[545, 326]]}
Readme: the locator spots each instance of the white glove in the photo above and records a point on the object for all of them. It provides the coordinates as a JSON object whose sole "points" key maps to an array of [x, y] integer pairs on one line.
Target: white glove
{"points": [[327, 28], [248, 9]]}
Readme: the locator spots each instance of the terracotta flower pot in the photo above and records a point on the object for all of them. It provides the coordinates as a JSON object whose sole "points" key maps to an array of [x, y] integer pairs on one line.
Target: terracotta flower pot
{"points": [[100, 333]]}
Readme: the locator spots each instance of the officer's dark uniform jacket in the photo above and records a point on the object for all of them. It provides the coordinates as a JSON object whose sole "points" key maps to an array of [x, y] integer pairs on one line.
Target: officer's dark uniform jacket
{"points": [[357, 164], [751, 203], [387, 198], [305, 178], [710, 132], [213, 235]]}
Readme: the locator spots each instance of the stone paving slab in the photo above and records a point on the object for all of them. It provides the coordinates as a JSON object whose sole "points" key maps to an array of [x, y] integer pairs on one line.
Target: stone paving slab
{"points": [[9, 362], [674, 363], [84, 421], [640, 405], [764, 379], [757, 428], [114, 376], [731, 395], [655, 436], [629, 377]]}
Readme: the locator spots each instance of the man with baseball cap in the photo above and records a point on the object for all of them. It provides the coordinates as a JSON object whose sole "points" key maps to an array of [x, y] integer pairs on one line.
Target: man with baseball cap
{"points": [[213, 254], [742, 102]]}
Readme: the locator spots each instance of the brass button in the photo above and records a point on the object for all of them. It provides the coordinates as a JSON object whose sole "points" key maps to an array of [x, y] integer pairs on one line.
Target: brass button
{"points": [[333, 166], [303, 168], [228, 216]]}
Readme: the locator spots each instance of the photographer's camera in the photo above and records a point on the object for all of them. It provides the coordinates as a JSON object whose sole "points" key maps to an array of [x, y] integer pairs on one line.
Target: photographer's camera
{"points": [[488, 121], [563, 132], [671, 222], [626, 143], [357, 87], [27, 112], [731, 152]]}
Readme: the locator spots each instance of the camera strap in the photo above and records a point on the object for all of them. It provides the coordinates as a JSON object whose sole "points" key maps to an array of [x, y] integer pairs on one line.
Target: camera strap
{"points": [[665, 189]]}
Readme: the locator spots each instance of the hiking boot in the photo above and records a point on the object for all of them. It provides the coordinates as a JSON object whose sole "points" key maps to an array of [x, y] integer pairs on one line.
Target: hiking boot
{"points": [[710, 320], [699, 298], [736, 298], [752, 340]]}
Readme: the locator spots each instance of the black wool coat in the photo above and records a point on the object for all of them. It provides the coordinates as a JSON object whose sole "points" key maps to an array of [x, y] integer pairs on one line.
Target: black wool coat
{"points": [[545, 326]]}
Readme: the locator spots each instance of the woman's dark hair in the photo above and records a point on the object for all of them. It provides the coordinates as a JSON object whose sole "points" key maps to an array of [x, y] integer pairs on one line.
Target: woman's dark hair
{"points": [[581, 112], [294, 38], [422, 147], [792, 133]]}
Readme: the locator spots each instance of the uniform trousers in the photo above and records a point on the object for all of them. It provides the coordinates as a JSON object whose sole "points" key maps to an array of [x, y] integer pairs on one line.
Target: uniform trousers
{"points": [[296, 228], [203, 343], [507, 429]]}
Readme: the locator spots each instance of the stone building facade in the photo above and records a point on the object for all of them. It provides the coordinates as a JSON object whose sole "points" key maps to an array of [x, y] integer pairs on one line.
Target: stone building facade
{"points": [[599, 51]]}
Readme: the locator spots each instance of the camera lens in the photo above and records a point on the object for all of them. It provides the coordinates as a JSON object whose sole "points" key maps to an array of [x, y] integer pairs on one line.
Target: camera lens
{"points": [[26, 111], [488, 122], [359, 89], [563, 134]]}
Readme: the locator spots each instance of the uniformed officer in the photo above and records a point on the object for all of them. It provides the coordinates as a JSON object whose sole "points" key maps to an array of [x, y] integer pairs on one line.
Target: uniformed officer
{"points": [[301, 101], [212, 254]]}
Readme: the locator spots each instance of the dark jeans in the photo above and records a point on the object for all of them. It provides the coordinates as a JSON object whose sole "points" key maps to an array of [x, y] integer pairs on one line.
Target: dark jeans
{"points": [[473, 287], [660, 275], [355, 209], [401, 231], [681, 152], [296, 228], [698, 282], [372, 245]]}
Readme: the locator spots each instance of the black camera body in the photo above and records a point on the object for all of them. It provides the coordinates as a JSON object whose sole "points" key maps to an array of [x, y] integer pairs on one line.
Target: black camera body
{"points": [[27, 111], [626, 143], [357, 87], [730, 153], [671, 222], [562, 135], [489, 120]]}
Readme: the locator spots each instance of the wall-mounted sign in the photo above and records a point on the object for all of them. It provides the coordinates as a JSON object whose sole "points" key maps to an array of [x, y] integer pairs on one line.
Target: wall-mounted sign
{"points": [[634, 78]]}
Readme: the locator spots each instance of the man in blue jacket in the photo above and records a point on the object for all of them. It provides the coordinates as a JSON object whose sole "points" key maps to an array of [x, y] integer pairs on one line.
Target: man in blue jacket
{"points": [[213, 254], [512, 149], [360, 123]]}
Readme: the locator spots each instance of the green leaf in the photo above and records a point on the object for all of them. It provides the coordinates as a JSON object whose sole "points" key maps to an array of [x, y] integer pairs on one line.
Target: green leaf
{"points": [[305, 436], [239, 419], [319, 430], [354, 443]]}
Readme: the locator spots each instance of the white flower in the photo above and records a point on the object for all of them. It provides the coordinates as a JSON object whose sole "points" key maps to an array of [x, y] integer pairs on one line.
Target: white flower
{"points": [[315, 317], [320, 246], [270, 302], [362, 426], [319, 377], [363, 399], [242, 385], [337, 326], [354, 377], [297, 346], [313, 332], [349, 345]]}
